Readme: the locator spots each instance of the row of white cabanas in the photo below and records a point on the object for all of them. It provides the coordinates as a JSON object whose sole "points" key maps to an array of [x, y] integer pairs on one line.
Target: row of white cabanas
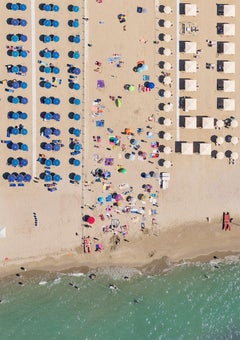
{"points": [[189, 9], [191, 85], [190, 104], [205, 149], [206, 122], [223, 47]]}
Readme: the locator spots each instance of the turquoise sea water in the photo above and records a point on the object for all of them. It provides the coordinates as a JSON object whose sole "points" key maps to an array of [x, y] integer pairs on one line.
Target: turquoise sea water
{"points": [[188, 302]]}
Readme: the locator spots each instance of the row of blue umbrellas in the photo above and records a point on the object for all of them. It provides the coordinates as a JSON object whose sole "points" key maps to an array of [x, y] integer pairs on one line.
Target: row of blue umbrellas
{"points": [[17, 68], [17, 53], [49, 69], [50, 100], [17, 37], [18, 100], [17, 161], [74, 116], [51, 161], [51, 131], [49, 23], [50, 115], [49, 7], [15, 84], [17, 146], [17, 130], [21, 177], [49, 54], [16, 7], [52, 177], [48, 38], [51, 146], [17, 22], [17, 115]]}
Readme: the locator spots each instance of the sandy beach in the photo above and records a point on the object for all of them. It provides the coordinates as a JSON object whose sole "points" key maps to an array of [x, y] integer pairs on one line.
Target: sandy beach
{"points": [[148, 199]]}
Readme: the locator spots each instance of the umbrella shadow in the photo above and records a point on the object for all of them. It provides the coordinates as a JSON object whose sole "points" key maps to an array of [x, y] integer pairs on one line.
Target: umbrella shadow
{"points": [[161, 162], [214, 154]]}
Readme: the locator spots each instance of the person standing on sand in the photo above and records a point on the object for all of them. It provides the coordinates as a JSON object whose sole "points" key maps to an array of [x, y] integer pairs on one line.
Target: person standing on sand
{"points": [[87, 245]]}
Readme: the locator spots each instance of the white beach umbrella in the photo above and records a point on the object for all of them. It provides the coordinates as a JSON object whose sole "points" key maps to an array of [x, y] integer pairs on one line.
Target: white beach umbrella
{"points": [[167, 80], [167, 122], [220, 123], [234, 140], [234, 123], [167, 66], [167, 164], [219, 140], [167, 150], [167, 37], [167, 9], [168, 108], [220, 155], [167, 136], [167, 94], [167, 24], [167, 52], [234, 155]]}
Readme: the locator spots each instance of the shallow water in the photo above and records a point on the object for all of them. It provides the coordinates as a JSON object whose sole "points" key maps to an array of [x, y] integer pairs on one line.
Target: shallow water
{"points": [[187, 302]]}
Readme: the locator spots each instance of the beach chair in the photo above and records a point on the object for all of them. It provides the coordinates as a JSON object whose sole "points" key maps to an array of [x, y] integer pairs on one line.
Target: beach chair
{"points": [[109, 198], [12, 185], [100, 123], [146, 77], [21, 184]]}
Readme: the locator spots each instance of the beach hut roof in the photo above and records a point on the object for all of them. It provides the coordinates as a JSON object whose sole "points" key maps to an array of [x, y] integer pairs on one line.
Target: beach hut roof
{"points": [[229, 29], [205, 149], [190, 104], [229, 66], [190, 122], [229, 104], [190, 47], [229, 48], [187, 148], [190, 84], [229, 85], [190, 66], [208, 123], [190, 10], [229, 10]]}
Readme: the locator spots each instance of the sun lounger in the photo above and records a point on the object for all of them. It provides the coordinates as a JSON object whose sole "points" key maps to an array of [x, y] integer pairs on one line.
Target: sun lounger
{"points": [[12, 185], [21, 184]]}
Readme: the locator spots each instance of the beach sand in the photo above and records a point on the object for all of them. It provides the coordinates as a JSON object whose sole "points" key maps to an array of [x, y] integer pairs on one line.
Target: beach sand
{"points": [[200, 188]]}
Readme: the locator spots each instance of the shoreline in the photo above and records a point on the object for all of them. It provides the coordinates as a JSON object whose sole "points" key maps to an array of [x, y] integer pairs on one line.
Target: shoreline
{"points": [[145, 254]]}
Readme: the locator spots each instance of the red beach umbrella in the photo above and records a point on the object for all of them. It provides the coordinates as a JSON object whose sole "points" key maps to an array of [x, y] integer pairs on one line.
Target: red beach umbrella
{"points": [[91, 219]]}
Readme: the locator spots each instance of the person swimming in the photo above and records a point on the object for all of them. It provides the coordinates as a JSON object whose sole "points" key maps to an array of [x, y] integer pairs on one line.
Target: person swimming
{"points": [[112, 286]]}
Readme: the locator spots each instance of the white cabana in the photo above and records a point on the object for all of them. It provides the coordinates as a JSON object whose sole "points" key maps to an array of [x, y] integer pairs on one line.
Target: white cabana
{"points": [[167, 150], [167, 9], [220, 155], [229, 48], [167, 136], [229, 29], [208, 123], [190, 122], [219, 124], [234, 123], [167, 66], [190, 85], [167, 37], [229, 85], [190, 66], [167, 122], [190, 10], [219, 140], [3, 232], [167, 24], [229, 104], [205, 149], [190, 47], [229, 10], [187, 148], [229, 66], [190, 104], [167, 52]]}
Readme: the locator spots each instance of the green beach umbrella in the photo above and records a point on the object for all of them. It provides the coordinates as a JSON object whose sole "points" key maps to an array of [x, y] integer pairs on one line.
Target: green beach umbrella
{"points": [[131, 88], [122, 170]]}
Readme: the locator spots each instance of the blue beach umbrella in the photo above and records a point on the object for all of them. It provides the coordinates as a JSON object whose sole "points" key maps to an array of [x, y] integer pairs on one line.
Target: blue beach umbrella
{"points": [[48, 116], [77, 132], [15, 69], [47, 69], [56, 147], [15, 146], [47, 23], [48, 147], [77, 147], [24, 132], [48, 162], [23, 37], [23, 115], [46, 39], [47, 55], [55, 23], [76, 116], [15, 115], [15, 22], [56, 132], [23, 100], [76, 86], [76, 55], [48, 101], [55, 55], [14, 38], [77, 71], [56, 116], [47, 85], [56, 38], [56, 70], [15, 100], [23, 162], [15, 131], [76, 162], [77, 178], [48, 178], [22, 7], [47, 132], [55, 8], [15, 54], [56, 162], [15, 84], [75, 9], [23, 22], [24, 85], [23, 69], [56, 101], [57, 178], [11, 178], [23, 54], [27, 178], [15, 162], [24, 147], [20, 178], [14, 7], [47, 8], [77, 101], [77, 39]]}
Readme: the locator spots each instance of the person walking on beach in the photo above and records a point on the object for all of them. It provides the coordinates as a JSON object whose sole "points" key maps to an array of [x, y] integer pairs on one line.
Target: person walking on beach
{"points": [[87, 245]]}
